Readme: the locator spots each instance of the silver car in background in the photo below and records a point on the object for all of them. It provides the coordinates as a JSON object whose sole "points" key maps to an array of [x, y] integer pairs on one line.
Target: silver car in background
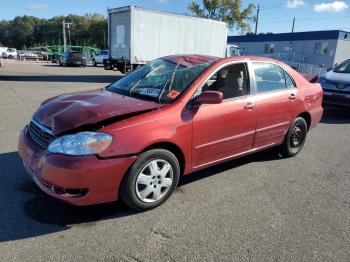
{"points": [[336, 85]]}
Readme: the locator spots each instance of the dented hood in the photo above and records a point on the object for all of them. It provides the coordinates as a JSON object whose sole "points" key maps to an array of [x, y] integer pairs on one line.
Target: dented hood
{"points": [[69, 111]]}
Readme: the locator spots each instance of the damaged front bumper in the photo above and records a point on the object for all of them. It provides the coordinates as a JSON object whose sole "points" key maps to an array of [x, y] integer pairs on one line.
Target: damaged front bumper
{"points": [[77, 180]]}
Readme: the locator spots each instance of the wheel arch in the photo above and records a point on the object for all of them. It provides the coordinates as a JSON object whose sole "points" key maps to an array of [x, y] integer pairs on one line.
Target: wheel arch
{"points": [[173, 148], [307, 117]]}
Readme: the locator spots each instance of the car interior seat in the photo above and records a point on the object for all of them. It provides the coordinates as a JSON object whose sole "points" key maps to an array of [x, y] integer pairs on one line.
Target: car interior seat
{"points": [[231, 83]]}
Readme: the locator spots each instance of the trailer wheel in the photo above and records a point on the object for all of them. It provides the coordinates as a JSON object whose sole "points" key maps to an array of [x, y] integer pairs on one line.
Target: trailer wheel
{"points": [[121, 68]]}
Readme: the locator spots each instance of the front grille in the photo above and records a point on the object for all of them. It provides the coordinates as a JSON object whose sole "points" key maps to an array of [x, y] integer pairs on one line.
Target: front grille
{"points": [[40, 134]]}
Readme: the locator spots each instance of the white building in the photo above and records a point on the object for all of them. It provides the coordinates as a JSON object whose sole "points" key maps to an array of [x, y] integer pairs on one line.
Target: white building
{"points": [[316, 47]]}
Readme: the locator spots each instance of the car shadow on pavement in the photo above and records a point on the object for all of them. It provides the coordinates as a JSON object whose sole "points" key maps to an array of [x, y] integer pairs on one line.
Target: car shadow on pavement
{"points": [[25, 211], [62, 78], [262, 156], [28, 212], [334, 115]]}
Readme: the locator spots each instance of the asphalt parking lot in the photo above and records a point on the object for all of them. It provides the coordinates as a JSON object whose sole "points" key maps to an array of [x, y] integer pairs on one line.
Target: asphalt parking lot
{"points": [[257, 208]]}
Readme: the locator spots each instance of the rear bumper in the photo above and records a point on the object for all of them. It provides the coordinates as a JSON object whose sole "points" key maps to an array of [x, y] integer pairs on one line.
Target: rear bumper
{"points": [[76, 63], [336, 99], [76, 180]]}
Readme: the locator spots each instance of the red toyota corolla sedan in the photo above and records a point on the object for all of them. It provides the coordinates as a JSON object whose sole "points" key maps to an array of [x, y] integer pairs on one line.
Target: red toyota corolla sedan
{"points": [[134, 139]]}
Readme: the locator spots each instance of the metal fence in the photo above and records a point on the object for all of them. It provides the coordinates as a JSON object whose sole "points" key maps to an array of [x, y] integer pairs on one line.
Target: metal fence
{"points": [[297, 61], [308, 69]]}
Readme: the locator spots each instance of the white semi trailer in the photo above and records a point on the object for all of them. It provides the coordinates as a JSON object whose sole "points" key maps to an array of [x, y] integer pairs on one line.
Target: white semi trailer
{"points": [[138, 35]]}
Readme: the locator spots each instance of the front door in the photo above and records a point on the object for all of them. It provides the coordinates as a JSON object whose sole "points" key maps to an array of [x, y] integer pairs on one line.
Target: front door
{"points": [[221, 131]]}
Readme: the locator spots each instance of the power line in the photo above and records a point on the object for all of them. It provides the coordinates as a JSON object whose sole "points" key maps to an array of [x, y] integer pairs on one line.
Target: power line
{"points": [[306, 19]]}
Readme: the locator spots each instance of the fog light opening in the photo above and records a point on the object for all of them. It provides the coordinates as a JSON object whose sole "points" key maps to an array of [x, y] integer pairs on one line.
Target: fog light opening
{"points": [[71, 192]]}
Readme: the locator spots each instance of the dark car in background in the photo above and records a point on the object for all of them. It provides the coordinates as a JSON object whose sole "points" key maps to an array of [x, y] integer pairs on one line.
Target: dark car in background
{"points": [[55, 58], [72, 59], [336, 85]]}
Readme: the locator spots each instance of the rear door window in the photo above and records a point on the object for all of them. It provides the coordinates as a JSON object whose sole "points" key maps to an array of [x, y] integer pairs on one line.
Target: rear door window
{"points": [[270, 77]]}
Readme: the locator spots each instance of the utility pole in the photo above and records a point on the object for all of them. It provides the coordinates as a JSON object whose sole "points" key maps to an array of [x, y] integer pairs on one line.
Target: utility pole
{"points": [[257, 19], [64, 36], [70, 43], [64, 24], [293, 24]]}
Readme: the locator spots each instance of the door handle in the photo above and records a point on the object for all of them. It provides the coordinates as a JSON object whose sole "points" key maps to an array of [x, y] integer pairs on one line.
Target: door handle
{"points": [[292, 97], [249, 105]]}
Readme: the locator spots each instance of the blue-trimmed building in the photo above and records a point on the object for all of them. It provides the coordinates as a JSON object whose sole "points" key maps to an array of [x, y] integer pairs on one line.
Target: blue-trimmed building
{"points": [[316, 47]]}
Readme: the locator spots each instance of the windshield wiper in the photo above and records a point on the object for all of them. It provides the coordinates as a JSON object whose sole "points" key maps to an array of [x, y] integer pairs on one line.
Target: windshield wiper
{"points": [[144, 97]]}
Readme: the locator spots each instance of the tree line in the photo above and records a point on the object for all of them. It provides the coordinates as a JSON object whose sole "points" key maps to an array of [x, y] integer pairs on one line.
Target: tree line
{"points": [[28, 31], [91, 29]]}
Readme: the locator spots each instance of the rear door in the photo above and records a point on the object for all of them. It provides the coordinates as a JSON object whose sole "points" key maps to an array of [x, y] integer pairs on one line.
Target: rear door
{"points": [[276, 100]]}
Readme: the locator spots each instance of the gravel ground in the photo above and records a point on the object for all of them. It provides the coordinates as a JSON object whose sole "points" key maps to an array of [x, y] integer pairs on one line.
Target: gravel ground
{"points": [[257, 208]]}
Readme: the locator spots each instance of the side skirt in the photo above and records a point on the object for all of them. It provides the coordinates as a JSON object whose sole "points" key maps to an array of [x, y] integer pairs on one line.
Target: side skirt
{"points": [[195, 168]]}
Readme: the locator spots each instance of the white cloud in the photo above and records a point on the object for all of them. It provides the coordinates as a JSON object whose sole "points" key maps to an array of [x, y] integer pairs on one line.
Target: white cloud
{"points": [[37, 6], [161, 1], [336, 6], [295, 3]]}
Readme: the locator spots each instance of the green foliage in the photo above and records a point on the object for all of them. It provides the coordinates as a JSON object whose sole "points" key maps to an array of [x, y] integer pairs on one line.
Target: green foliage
{"points": [[229, 11], [28, 31]]}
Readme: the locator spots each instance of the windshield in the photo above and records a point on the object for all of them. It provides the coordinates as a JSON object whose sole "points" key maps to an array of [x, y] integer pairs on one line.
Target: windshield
{"points": [[343, 67], [160, 80]]}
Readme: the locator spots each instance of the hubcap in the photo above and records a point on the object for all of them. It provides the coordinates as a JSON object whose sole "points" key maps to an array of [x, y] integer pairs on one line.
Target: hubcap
{"points": [[154, 181], [296, 137]]}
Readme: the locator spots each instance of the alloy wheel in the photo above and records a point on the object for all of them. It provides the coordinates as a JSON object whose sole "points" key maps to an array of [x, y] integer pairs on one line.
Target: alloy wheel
{"points": [[154, 180]]}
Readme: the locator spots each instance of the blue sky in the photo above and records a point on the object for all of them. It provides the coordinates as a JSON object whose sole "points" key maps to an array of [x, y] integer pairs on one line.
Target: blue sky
{"points": [[275, 15]]}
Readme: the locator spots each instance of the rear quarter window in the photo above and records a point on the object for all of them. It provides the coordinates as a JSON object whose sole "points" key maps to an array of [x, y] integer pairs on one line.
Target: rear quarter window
{"points": [[289, 82]]}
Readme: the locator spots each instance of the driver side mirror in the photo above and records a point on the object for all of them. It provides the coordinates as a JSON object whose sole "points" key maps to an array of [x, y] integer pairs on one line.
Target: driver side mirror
{"points": [[209, 97]]}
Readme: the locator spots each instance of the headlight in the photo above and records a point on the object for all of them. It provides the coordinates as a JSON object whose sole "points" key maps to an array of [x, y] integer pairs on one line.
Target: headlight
{"points": [[325, 83], [80, 144]]}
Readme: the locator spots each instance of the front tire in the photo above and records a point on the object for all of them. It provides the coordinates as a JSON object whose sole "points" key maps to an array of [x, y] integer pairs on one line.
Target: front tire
{"points": [[151, 180], [94, 62], [295, 138]]}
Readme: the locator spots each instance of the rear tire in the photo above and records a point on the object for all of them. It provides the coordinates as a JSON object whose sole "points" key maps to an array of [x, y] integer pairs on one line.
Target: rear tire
{"points": [[295, 138], [151, 180]]}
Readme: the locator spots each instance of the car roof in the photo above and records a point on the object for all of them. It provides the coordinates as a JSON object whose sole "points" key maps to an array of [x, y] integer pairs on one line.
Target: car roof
{"points": [[190, 60], [193, 59]]}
